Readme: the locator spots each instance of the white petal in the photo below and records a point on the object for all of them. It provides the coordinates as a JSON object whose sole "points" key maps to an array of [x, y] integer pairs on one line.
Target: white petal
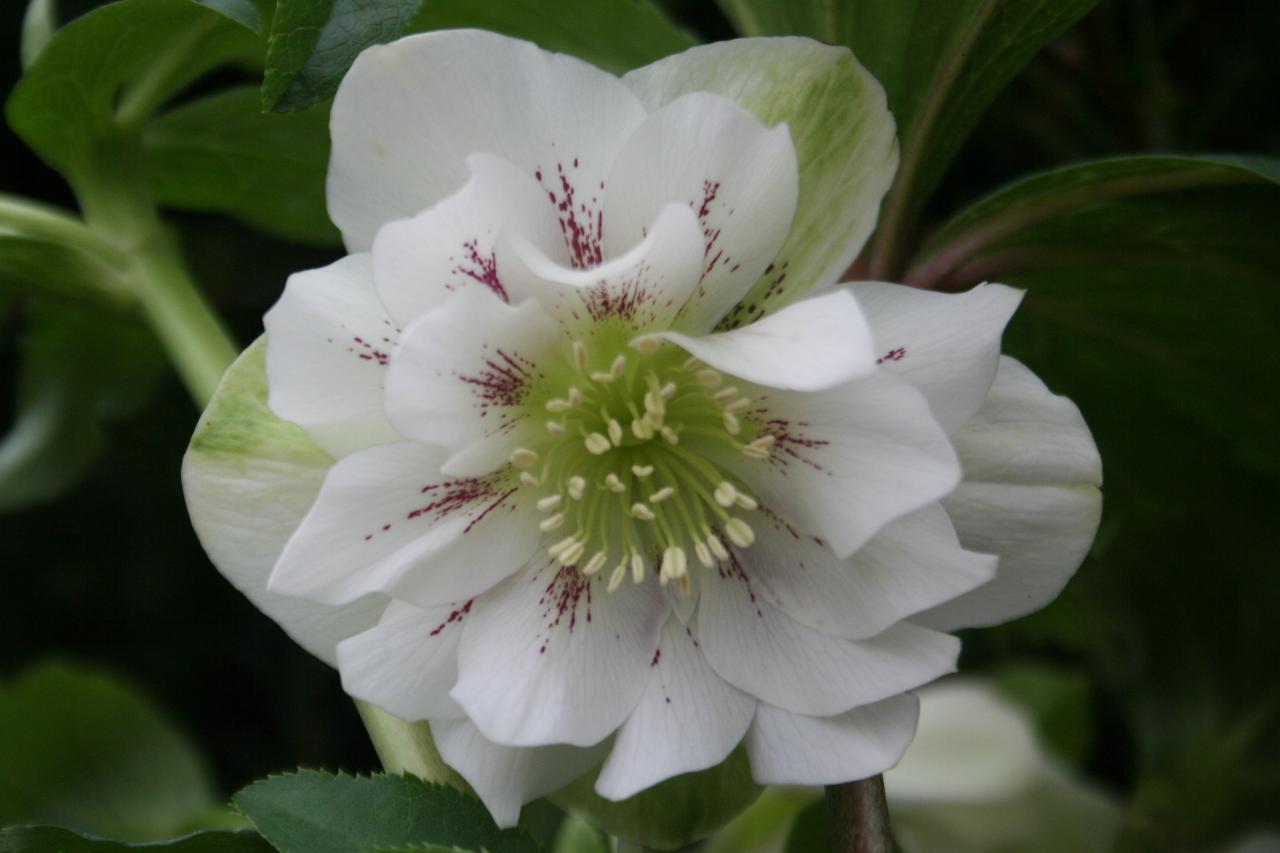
{"points": [[409, 113], [737, 175], [644, 287], [249, 479], [792, 749], [388, 521], [1030, 496], [328, 343], [846, 462], [462, 372], [972, 746], [914, 563], [418, 263], [812, 345], [688, 719], [408, 662], [759, 649], [946, 344], [507, 777], [550, 657], [843, 135]]}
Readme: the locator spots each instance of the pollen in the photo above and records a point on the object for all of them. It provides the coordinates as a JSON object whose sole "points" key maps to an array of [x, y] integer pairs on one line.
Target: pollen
{"points": [[636, 470]]}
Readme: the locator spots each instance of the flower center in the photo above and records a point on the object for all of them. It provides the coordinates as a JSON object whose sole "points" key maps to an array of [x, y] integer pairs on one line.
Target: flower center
{"points": [[624, 469]]}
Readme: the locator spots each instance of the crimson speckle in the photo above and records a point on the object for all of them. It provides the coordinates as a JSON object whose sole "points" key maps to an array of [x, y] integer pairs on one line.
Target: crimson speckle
{"points": [[897, 354], [455, 617]]}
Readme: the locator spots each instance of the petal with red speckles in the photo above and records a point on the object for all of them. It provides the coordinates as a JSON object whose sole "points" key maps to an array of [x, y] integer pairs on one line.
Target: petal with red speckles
{"points": [[846, 462], [507, 777], [793, 749], [409, 113], [914, 563], [329, 342], [688, 719], [462, 374], [387, 520], [815, 344], [737, 175], [644, 287], [945, 344], [762, 651], [408, 662], [844, 137], [550, 657], [1030, 494], [419, 262]]}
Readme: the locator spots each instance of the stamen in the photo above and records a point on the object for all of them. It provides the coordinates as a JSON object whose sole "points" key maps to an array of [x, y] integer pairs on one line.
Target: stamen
{"points": [[577, 487], [739, 532], [703, 554], [557, 406], [548, 503], [555, 427], [725, 394], [555, 550], [529, 480], [580, 355], [670, 435], [725, 494], [709, 377], [597, 444], [615, 579], [731, 424], [602, 376], [642, 512], [642, 429], [739, 405], [662, 494], [618, 367], [551, 523], [646, 344], [745, 501], [691, 362], [615, 432], [613, 484], [666, 392], [642, 471], [575, 397], [523, 457], [570, 555], [761, 448], [595, 564], [637, 568], [674, 565], [716, 547]]}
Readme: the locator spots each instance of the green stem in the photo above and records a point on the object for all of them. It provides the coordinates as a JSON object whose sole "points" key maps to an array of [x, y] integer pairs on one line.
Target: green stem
{"points": [[57, 226], [625, 846], [150, 91], [858, 817], [406, 747], [190, 332]]}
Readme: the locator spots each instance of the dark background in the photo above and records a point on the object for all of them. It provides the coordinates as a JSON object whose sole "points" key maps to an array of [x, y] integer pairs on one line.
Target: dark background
{"points": [[111, 573]]}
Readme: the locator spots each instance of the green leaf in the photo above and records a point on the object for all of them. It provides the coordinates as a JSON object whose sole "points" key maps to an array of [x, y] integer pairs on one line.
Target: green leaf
{"points": [[38, 26], [1161, 267], [251, 14], [314, 42], [941, 62], [53, 839], [616, 35], [111, 68], [314, 812], [673, 813], [79, 369], [843, 138], [578, 836], [222, 153], [42, 266], [79, 749]]}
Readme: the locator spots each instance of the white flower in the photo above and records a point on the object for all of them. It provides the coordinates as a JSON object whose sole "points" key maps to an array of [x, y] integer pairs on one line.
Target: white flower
{"points": [[605, 489]]}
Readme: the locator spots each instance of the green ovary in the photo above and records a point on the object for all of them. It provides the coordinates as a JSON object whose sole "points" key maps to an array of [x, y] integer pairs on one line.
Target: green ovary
{"points": [[622, 467]]}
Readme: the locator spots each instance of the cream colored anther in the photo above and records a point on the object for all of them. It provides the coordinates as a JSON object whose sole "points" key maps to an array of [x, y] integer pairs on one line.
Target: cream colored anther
{"points": [[642, 512], [614, 484], [577, 487], [523, 457], [739, 532], [642, 471], [615, 432], [597, 443], [554, 522], [662, 494], [548, 503], [615, 579], [646, 344], [725, 493], [595, 564], [580, 355]]}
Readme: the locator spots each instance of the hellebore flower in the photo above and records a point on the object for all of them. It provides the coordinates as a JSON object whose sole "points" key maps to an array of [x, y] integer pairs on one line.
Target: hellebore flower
{"points": [[581, 454]]}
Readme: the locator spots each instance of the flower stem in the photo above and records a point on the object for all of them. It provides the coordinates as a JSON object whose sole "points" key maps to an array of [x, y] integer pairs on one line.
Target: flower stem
{"points": [[858, 817], [404, 747]]}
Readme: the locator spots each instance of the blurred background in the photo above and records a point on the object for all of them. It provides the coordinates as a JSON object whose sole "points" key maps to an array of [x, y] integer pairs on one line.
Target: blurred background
{"points": [[1155, 674]]}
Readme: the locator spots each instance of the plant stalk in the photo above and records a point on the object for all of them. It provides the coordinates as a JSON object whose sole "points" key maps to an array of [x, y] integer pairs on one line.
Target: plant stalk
{"points": [[858, 817]]}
